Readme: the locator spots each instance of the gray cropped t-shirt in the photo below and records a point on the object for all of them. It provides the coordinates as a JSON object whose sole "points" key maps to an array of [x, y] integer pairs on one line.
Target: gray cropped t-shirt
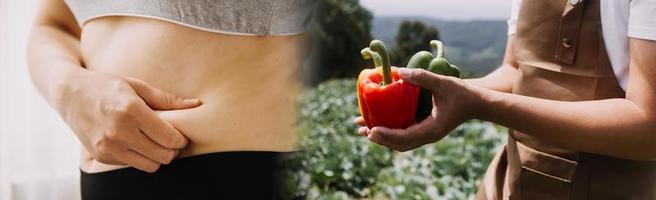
{"points": [[241, 17]]}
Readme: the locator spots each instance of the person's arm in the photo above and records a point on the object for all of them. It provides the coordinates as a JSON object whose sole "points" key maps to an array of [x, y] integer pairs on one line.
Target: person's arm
{"points": [[110, 115], [503, 78], [622, 128]]}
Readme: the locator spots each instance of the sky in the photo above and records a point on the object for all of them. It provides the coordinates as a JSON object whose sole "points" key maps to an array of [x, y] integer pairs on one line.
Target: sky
{"points": [[441, 9]]}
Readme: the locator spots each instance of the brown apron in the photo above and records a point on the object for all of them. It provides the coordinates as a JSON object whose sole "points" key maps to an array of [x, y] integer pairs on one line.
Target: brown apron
{"points": [[561, 56]]}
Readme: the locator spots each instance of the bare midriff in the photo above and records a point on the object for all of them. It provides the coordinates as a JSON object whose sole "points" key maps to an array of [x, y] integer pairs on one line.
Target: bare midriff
{"points": [[248, 84]]}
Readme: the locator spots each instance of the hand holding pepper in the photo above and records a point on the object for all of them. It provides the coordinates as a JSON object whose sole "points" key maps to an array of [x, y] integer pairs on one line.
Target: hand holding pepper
{"points": [[456, 102]]}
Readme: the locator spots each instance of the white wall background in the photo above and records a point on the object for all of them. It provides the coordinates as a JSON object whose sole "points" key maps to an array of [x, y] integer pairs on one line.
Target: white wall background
{"points": [[39, 155]]}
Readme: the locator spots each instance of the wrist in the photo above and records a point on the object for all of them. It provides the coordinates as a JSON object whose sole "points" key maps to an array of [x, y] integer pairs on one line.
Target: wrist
{"points": [[485, 99]]}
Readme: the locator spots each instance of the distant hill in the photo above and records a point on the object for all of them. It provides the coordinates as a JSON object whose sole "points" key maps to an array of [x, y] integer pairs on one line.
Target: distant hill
{"points": [[475, 46]]}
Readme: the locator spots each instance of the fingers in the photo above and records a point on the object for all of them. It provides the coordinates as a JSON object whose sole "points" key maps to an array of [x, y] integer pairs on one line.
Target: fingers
{"points": [[139, 161], [359, 121], [391, 138], [159, 130], [161, 100], [405, 139], [362, 126], [420, 77], [143, 145], [364, 131], [152, 125]]}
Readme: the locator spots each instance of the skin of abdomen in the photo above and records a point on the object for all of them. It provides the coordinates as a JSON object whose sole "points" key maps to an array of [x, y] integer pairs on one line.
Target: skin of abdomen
{"points": [[248, 84]]}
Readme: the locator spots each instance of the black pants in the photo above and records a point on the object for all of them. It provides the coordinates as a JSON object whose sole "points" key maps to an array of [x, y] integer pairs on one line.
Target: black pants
{"points": [[226, 175]]}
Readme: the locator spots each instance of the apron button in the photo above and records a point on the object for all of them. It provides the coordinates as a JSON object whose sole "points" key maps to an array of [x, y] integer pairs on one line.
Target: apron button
{"points": [[574, 2], [567, 43]]}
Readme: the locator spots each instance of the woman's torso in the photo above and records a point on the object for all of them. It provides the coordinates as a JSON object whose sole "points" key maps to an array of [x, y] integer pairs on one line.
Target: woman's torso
{"points": [[248, 84]]}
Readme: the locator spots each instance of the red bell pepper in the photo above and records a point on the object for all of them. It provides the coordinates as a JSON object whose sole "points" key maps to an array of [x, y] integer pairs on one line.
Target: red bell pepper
{"points": [[383, 98]]}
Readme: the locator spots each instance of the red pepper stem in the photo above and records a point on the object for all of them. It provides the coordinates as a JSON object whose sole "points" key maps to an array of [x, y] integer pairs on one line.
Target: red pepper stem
{"points": [[437, 46], [379, 47], [367, 53]]}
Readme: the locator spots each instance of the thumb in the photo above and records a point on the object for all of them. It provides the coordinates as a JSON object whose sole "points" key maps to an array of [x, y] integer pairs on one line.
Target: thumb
{"points": [[420, 77], [161, 100]]}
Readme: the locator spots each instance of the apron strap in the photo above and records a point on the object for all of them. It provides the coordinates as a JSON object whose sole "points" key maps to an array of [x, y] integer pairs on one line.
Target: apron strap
{"points": [[570, 28]]}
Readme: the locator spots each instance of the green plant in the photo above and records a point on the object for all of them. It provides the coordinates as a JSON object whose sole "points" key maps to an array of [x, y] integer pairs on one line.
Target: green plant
{"points": [[339, 31], [336, 163], [411, 37]]}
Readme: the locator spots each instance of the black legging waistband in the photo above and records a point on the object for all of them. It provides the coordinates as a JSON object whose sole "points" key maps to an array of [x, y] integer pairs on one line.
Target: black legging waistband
{"points": [[223, 175]]}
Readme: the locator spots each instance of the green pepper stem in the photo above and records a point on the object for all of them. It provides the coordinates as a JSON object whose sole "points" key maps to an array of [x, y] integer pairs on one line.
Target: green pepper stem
{"points": [[379, 47], [437, 46], [367, 54]]}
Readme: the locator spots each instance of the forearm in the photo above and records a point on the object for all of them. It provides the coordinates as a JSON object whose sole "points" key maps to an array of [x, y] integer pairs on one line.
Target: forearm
{"points": [[53, 61], [502, 79], [614, 127]]}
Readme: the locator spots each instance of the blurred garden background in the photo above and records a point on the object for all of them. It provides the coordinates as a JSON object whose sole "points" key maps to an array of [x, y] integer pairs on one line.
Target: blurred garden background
{"points": [[337, 163]]}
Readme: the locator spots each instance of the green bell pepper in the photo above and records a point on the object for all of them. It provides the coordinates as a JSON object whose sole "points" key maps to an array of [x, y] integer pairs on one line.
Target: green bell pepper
{"points": [[437, 65]]}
